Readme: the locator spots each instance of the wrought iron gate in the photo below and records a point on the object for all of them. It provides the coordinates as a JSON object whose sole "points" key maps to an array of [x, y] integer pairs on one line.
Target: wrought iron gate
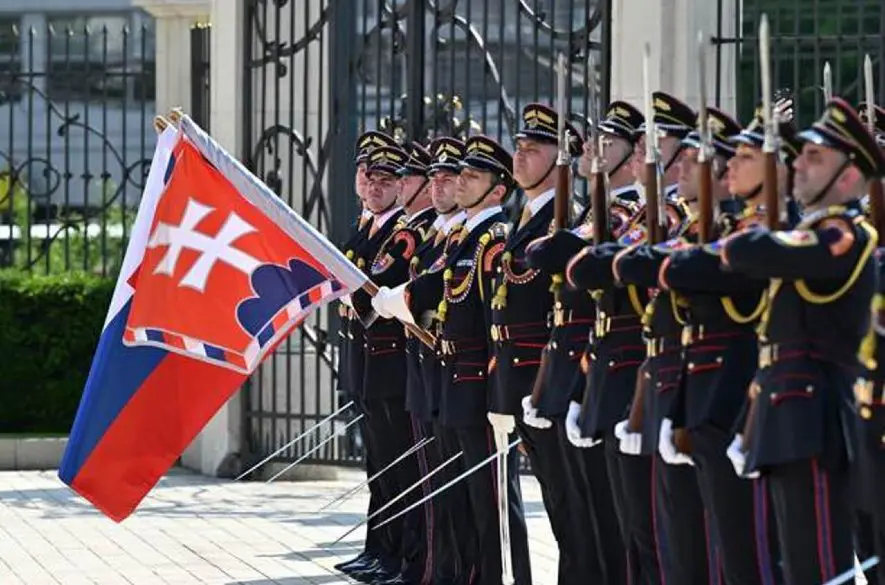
{"points": [[317, 72], [805, 35]]}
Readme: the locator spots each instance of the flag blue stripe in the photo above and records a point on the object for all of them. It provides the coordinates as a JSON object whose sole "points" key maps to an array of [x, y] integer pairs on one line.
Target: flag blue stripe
{"points": [[116, 374]]}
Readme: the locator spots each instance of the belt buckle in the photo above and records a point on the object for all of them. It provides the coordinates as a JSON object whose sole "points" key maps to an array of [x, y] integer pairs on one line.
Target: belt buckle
{"points": [[558, 317], [494, 333], [765, 356], [651, 348]]}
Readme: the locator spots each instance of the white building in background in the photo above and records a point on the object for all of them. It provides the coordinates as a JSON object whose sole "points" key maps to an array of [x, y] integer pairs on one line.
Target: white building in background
{"points": [[88, 61]]}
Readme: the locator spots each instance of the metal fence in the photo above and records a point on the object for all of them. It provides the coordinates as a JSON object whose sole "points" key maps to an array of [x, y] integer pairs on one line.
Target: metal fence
{"points": [[318, 72], [806, 34], [76, 139]]}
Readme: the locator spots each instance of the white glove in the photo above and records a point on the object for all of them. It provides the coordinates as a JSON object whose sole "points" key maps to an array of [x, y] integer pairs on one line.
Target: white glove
{"points": [[345, 300], [667, 448], [573, 430], [530, 415], [502, 423], [735, 452], [629, 443], [391, 303]]}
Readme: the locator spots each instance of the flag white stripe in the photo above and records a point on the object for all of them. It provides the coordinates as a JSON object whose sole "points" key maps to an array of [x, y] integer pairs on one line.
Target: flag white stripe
{"points": [[138, 237]]}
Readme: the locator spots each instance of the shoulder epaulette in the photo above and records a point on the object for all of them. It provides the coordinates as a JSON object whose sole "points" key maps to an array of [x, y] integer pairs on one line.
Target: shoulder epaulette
{"points": [[498, 230]]}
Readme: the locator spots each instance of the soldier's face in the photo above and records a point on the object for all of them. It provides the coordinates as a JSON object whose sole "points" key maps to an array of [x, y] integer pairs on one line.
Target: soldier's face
{"points": [[361, 182], [745, 170], [815, 167], [409, 186], [472, 184], [382, 192], [671, 151], [689, 173], [442, 190], [532, 160]]}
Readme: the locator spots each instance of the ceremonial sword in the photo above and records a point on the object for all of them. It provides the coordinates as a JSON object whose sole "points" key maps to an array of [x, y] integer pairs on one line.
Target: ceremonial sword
{"points": [[316, 447], [419, 445], [295, 440], [458, 479]]}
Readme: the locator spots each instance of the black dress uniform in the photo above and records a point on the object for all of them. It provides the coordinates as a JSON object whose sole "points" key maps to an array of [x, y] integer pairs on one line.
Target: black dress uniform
{"points": [[561, 376], [352, 362], [461, 295], [681, 531], [520, 330], [869, 394], [870, 465], [387, 253], [822, 282], [610, 361], [449, 512]]}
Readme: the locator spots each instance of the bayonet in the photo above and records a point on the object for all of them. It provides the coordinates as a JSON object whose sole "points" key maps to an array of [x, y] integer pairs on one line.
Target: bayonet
{"points": [[705, 152]]}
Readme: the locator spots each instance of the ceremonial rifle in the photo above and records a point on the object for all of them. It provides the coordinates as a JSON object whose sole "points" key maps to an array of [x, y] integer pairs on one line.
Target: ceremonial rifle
{"points": [[652, 218], [705, 154], [769, 179], [599, 203], [875, 189]]}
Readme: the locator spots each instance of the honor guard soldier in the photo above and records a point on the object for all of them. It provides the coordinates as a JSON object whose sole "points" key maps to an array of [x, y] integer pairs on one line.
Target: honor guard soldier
{"points": [[823, 279], [869, 471], [461, 294], [677, 509], [520, 317], [352, 358], [387, 252], [722, 351], [573, 317], [610, 360], [449, 513], [412, 230]]}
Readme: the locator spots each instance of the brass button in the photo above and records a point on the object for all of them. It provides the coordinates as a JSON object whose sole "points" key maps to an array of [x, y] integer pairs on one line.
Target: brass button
{"points": [[690, 365], [773, 397], [809, 388], [553, 344], [611, 363], [515, 360], [866, 413], [571, 352], [719, 359]]}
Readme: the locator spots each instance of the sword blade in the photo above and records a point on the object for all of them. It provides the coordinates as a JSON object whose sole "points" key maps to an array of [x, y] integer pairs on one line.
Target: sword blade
{"points": [[316, 447], [441, 489], [870, 93], [399, 497], [851, 573], [295, 440], [828, 82], [419, 445]]}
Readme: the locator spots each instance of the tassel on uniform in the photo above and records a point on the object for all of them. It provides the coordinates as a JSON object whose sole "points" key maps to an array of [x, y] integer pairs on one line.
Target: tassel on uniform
{"points": [[556, 283], [499, 301], [867, 351]]}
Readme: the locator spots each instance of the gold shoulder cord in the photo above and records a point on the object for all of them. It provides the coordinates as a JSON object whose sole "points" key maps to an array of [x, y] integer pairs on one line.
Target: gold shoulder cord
{"points": [[812, 297], [633, 295], [773, 288], [735, 315], [866, 353]]}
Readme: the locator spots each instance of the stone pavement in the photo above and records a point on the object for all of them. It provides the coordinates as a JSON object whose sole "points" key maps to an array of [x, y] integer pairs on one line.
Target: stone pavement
{"points": [[196, 530]]}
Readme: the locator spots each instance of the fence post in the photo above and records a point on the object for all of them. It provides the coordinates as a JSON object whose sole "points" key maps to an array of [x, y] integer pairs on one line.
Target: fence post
{"points": [[415, 73]]}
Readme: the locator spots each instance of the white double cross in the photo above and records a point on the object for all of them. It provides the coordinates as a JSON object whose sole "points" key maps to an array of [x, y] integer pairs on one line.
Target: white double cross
{"points": [[212, 248]]}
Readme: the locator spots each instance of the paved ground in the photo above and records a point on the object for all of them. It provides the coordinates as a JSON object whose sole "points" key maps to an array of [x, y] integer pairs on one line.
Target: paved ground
{"points": [[193, 529]]}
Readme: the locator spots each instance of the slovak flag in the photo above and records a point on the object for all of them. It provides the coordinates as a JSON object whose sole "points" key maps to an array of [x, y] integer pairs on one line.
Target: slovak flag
{"points": [[218, 272]]}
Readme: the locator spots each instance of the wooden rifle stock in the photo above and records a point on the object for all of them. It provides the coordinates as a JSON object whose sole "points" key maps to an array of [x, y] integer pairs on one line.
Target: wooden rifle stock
{"points": [[705, 203], [877, 217], [652, 219], [601, 232]]}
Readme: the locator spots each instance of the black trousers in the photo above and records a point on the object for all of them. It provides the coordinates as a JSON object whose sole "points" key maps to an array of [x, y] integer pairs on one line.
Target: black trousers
{"points": [[869, 475], [743, 538], [594, 486], [684, 533], [813, 506], [392, 433], [631, 481], [379, 543], [482, 486], [577, 537], [453, 534]]}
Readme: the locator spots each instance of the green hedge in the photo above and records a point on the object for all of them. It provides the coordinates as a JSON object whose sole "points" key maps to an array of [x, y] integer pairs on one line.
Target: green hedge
{"points": [[49, 327]]}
